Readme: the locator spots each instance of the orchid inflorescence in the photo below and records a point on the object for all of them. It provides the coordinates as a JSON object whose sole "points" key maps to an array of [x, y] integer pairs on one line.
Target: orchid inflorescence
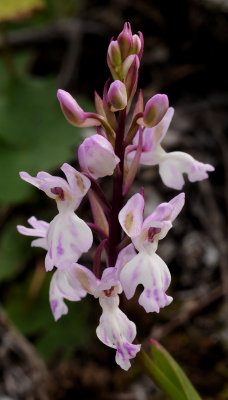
{"points": [[128, 240]]}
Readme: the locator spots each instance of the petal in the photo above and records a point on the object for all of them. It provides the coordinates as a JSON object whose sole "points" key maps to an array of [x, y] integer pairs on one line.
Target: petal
{"points": [[131, 215], [117, 331], [64, 285], [109, 280], [68, 237], [78, 182], [177, 203], [124, 257], [153, 136], [161, 212], [42, 242], [58, 306], [86, 278], [30, 179], [152, 272], [39, 228], [173, 165]]}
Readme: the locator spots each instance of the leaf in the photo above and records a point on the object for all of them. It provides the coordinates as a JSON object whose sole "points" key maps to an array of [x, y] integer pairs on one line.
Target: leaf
{"points": [[34, 134], [159, 377], [11, 10], [173, 371]]}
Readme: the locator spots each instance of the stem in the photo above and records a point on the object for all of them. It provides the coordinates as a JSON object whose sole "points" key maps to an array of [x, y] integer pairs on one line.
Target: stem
{"points": [[117, 198], [97, 260]]}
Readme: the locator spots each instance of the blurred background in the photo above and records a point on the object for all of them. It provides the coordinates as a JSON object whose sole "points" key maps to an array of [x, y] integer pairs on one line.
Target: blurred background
{"points": [[50, 44]]}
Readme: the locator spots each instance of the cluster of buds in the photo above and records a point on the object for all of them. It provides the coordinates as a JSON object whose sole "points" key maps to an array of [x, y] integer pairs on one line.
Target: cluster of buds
{"points": [[128, 240]]}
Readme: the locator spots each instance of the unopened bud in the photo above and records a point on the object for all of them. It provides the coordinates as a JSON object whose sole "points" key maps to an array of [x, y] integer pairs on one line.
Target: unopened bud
{"points": [[114, 53], [136, 45], [73, 112], [96, 156], [128, 63], [125, 40], [155, 110], [117, 96]]}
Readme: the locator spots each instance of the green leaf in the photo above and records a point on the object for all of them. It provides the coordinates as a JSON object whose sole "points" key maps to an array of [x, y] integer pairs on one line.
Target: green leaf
{"points": [[34, 134], [159, 377], [173, 371]]}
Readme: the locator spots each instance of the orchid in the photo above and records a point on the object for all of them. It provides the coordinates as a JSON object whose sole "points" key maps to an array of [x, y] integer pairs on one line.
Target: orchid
{"points": [[129, 242], [115, 329], [67, 236], [172, 165], [147, 268]]}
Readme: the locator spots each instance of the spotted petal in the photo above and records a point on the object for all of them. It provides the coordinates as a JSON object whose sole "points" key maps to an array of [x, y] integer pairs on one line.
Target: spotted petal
{"points": [[131, 215], [64, 285], [152, 272], [117, 331], [68, 237]]}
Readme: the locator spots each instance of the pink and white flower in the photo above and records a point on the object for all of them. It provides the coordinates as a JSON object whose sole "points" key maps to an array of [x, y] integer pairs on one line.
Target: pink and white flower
{"points": [[172, 165], [114, 329], [96, 156], [67, 236], [147, 268]]}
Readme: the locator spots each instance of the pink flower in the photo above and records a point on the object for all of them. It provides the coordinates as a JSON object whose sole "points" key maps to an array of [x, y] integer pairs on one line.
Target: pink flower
{"points": [[172, 165], [147, 268], [115, 329], [67, 236]]}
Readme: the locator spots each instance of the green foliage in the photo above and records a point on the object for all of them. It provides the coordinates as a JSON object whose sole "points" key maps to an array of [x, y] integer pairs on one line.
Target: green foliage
{"points": [[167, 373], [34, 134], [173, 371], [32, 316]]}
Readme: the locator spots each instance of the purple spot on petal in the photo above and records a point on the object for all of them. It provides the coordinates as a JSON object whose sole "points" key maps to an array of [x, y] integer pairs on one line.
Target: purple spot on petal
{"points": [[148, 293], [155, 292], [60, 249], [50, 252], [152, 232], [54, 305], [59, 192], [135, 275], [129, 348], [120, 351]]}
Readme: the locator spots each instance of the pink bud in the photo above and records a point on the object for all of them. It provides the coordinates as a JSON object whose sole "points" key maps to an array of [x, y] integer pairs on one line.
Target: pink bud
{"points": [[136, 45], [155, 110], [73, 112], [114, 53], [128, 63], [117, 95], [96, 156], [125, 40]]}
